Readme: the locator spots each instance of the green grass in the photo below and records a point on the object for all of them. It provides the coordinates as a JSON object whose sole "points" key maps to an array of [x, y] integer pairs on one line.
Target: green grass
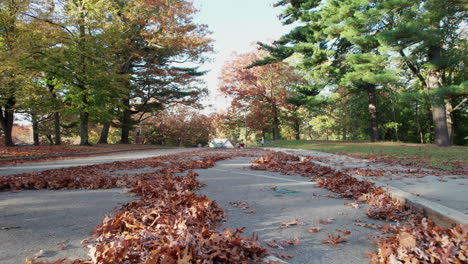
{"points": [[412, 154]]}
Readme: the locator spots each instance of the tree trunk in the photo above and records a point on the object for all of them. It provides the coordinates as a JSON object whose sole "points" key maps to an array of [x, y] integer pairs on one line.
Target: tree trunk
{"points": [[104, 133], [84, 119], [35, 127], [344, 133], [6, 121], [439, 116], [297, 129], [276, 132], [49, 137], [419, 125], [126, 125], [57, 133], [372, 96], [449, 109], [58, 136]]}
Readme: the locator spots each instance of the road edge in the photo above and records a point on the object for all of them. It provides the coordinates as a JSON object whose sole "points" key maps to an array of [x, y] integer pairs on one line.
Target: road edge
{"points": [[440, 214]]}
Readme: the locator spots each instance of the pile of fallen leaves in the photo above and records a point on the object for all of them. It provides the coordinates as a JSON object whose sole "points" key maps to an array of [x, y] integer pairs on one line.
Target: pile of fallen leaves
{"points": [[417, 241], [289, 165], [167, 224], [382, 206], [421, 241]]}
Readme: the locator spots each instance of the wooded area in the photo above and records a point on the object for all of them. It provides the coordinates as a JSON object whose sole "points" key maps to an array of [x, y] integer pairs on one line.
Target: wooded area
{"points": [[70, 63], [378, 70], [350, 70]]}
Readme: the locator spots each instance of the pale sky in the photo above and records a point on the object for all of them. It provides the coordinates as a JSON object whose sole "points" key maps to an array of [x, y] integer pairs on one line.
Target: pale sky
{"points": [[236, 26]]}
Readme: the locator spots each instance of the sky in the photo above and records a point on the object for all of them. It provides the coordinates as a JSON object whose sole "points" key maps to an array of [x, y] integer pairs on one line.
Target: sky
{"points": [[236, 25]]}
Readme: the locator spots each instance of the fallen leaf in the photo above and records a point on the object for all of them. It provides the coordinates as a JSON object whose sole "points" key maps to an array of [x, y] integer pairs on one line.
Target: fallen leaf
{"points": [[250, 212], [334, 240], [9, 227], [326, 221], [292, 223], [355, 205], [284, 256], [62, 247], [314, 229]]}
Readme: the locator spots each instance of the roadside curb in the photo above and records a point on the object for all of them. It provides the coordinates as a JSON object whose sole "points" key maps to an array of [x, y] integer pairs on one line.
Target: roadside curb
{"points": [[440, 214]]}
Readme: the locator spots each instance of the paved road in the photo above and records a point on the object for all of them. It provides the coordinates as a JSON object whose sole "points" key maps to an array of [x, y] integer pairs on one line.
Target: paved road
{"points": [[41, 166], [229, 182], [448, 190], [47, 219]]}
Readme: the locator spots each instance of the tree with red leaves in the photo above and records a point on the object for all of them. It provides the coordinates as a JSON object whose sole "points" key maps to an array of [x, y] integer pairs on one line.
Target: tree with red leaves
{"points": [[260, 92]]}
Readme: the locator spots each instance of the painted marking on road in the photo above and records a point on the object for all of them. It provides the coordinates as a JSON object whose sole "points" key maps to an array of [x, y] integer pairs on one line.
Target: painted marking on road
{"points": [[264, 176]]}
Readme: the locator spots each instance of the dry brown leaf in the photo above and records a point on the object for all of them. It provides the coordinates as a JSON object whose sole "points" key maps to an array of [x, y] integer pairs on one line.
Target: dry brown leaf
{"points": [[8, 227], [314, 229]]}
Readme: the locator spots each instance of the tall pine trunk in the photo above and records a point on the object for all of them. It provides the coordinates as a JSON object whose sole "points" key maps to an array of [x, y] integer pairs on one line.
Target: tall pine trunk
{"points": [[104, 133], [434, 82], [6, 121], [374, 122]]}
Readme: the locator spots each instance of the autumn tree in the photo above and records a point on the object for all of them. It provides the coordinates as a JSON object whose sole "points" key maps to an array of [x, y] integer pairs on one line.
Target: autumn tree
{"points": [[179, 126], [12, 75], [265, 85], [162, 47]]}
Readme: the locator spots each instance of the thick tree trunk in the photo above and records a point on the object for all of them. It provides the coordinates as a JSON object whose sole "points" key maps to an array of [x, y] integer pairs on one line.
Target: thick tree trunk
{"points": [[276, 132], [84, 120], [439, 116], [344, 133], [104, 133], [372, 96], [49, 137], [297, 129], [35, 126], [6, 122], [126, 124], [449, 109], [57, 132]]}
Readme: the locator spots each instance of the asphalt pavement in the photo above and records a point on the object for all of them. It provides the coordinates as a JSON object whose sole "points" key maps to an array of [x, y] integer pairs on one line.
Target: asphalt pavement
{"points": [[295, 198], [443, 197]]}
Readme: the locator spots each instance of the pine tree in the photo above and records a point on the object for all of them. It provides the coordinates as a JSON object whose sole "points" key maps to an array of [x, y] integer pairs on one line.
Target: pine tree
{"points": [[423, 33]]}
